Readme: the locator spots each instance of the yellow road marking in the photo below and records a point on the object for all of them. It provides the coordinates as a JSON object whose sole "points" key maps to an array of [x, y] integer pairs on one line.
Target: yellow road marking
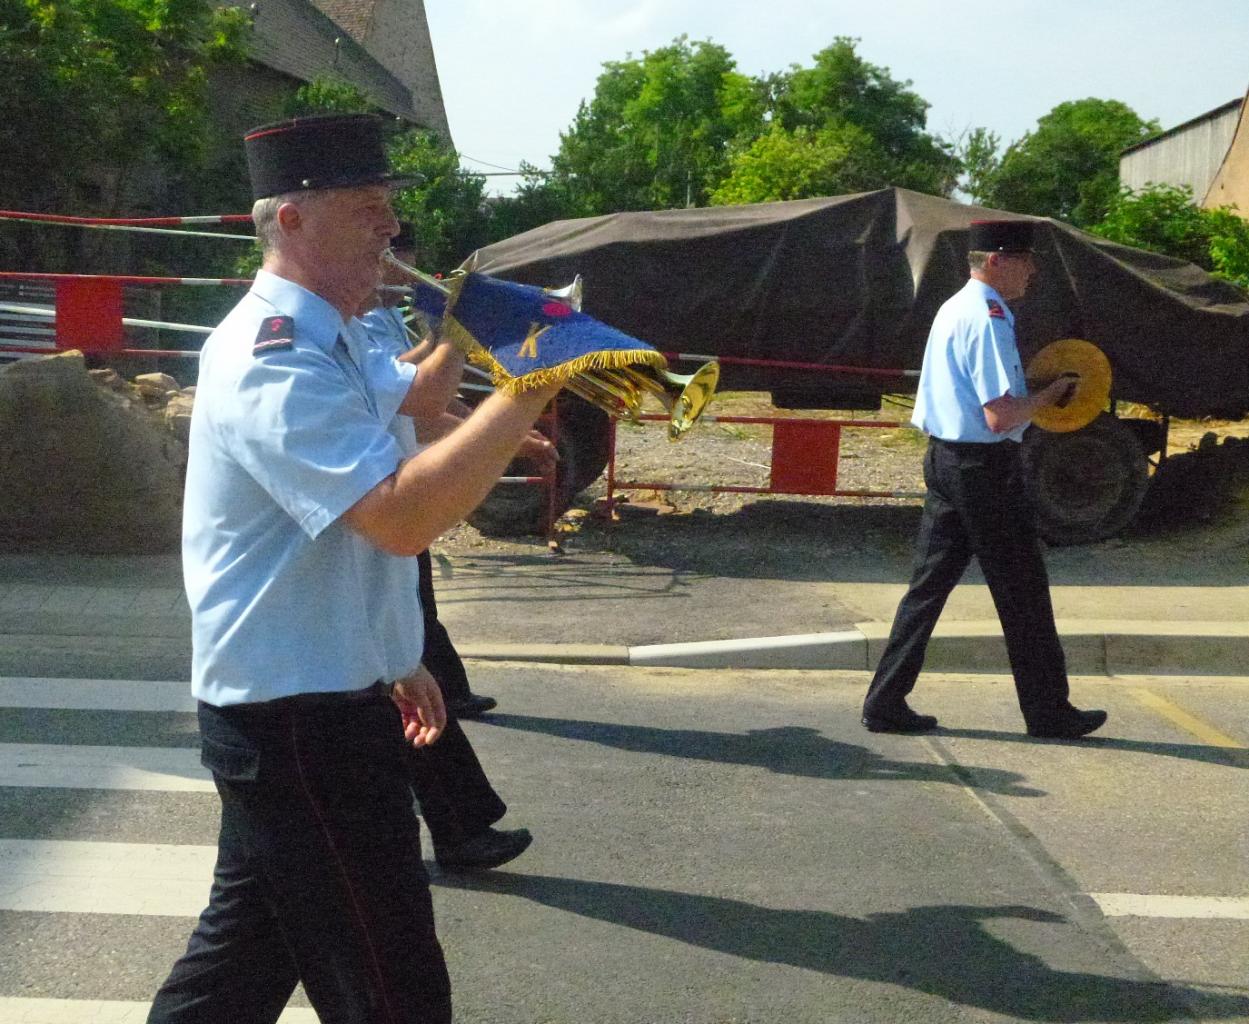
{"points": [[1189, 723]]}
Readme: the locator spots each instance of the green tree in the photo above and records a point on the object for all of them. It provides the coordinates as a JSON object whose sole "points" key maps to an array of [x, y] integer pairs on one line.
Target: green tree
{"points": [[1068, 166], [104, 107], [95, 90], [977, 151], [802, 163], [537, 200], [843, 94], [327, 94], [1164, 218], [446, 207], [658, 130]]}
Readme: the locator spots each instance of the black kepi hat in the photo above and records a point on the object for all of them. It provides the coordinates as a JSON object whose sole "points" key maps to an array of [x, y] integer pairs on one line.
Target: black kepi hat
{"points": [[1000, 236], [316, 152]]}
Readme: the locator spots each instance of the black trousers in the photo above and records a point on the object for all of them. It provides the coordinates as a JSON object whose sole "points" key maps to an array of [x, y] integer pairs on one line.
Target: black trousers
{"points": [[440, 657], [319, 876], [977, 506], [456, 798]]}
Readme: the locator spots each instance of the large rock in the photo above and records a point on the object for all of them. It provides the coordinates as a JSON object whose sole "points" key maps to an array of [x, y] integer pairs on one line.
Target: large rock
{"points": [[84, 467]]}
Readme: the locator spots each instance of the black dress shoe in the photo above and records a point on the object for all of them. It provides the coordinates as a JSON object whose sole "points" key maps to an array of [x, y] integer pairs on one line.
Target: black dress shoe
{"points": [[484, 851], [472, 706], [1070, 726], [901, 719]]}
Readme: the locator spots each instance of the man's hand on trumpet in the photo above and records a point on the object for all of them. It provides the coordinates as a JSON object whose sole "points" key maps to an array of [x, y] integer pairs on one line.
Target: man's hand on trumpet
{"points": [[538, 448]]}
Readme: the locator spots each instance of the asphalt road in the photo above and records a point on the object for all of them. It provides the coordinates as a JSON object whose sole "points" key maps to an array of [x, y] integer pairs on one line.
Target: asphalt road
{"points": [[712, 848]]}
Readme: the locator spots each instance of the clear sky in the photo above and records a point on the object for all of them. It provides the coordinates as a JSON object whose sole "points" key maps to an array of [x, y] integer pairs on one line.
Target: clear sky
{"points": [[514, 71]]}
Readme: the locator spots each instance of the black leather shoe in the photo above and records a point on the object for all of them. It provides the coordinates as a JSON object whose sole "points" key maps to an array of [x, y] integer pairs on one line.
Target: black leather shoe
{"points": [[472, 706], [1069, 727], [486, 850], [902, 719]]}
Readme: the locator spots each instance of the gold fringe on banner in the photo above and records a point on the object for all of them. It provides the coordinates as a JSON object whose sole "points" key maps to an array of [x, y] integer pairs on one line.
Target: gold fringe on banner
{"points": [[479, 356]]}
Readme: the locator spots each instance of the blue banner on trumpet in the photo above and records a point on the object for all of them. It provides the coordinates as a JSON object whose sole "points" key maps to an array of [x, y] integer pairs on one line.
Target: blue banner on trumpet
{"points": [[526, 337]]}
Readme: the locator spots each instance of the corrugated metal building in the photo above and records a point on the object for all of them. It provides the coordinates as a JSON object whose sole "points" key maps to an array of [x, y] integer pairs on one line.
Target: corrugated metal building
{"points": [[1188, 154]]}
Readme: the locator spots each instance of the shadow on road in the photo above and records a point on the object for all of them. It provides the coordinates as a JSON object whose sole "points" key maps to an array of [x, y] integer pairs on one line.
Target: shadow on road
{"points": [[1226, 756], [786, 750], [945, 951]]}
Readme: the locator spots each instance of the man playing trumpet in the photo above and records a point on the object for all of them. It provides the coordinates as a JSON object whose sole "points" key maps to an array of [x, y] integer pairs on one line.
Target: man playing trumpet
{"points": [[301, 526]]}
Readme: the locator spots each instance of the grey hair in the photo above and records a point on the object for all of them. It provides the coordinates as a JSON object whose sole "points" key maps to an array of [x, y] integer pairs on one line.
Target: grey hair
{"points": [[978, 260], [265, 216]]}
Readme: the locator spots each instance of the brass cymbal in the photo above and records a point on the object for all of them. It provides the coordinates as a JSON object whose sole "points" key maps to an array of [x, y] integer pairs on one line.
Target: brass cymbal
{"points": [[1092, 394]]}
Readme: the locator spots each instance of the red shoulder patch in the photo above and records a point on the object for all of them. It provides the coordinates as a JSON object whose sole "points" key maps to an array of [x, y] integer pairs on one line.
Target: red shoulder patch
{"points": [[276, 332], [995, 309]]}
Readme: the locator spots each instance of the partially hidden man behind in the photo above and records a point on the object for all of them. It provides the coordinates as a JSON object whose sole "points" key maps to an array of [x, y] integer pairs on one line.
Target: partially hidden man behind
{"points": [[973, 403], [441, 410], [458, 802], [302, 521]]}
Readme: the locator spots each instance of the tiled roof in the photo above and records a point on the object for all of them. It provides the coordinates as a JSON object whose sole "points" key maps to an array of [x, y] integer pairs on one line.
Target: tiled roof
{"points": [[354, 15]]}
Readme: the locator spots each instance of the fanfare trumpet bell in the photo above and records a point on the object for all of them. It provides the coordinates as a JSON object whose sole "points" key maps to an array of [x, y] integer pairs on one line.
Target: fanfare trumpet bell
{"points": [[528, 337]]}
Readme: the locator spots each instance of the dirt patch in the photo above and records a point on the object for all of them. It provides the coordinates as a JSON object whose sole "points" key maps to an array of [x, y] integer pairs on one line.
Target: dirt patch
{"points": [[1198, 506]]}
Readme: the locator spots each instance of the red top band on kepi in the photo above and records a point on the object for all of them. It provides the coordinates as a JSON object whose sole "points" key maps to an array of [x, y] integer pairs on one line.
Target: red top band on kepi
{"points": [[317, 152]]}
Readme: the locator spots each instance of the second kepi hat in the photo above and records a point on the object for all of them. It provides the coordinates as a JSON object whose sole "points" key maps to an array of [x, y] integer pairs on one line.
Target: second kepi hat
{"points": [[1000, 236], [317, 152]]}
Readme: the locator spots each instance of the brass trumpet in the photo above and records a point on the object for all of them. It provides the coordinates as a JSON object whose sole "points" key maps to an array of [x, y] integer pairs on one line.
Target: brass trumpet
{"points": [[620, 392]]}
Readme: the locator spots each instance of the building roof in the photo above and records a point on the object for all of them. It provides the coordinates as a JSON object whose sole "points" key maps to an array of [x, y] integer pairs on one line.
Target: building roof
{"points": [[1209, 115], [306, 39], [396, 34], [355, 16]]}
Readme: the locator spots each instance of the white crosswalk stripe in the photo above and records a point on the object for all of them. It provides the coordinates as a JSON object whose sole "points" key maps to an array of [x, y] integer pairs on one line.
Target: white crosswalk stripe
{"points": [[39, 765], [74, 882], [1126, 904], [74, 877], [91, 1011], [80, 879], [95, 694]]}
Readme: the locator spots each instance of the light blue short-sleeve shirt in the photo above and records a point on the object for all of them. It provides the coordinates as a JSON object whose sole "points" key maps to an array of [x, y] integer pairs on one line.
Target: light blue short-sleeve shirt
{"points": [[970, 360], [285, 438], [386, 339]]}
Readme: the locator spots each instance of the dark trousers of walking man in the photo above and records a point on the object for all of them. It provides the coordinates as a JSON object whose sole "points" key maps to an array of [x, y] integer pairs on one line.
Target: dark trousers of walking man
{"points": [[977, 505]]}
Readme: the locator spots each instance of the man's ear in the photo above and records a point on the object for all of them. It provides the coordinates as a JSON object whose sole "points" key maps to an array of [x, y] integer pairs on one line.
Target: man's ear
{"points": [[289, 217]]}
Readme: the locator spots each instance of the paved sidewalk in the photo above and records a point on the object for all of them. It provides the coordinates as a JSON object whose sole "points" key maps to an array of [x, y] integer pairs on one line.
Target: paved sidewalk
{"points": [[126, 617]]}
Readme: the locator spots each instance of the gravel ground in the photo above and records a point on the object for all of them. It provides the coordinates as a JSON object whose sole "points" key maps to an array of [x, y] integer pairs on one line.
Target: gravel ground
{"points": [[1198, 507]]}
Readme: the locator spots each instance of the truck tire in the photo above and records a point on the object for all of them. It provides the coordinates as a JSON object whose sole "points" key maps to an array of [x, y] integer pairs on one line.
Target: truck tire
{"points": [[1086, 485], [583, 441]]}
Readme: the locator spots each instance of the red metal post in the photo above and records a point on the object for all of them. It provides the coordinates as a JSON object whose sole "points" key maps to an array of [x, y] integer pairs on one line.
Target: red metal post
{"points": [[611, 469], [804, 456], [88, 314]]}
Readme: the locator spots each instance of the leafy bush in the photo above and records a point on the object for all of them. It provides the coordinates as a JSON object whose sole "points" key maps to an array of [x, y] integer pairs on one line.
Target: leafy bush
{"points": [[1164, 218]]}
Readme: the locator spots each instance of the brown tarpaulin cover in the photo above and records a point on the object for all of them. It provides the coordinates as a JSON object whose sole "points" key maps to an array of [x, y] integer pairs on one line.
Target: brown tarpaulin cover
{"points": [[855, 280]]}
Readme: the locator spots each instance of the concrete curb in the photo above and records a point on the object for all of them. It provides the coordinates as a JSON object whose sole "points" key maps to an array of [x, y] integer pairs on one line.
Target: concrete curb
{"points": [[1110, 647]]}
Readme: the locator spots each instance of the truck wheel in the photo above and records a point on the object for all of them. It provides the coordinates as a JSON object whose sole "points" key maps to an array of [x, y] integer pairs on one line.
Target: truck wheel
{"points": [[590, 430], [583, 440], [1086, 485]]}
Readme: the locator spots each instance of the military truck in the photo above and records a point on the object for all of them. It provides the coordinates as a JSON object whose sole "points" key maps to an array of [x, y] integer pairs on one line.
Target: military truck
{"points": [[855, 281]]}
